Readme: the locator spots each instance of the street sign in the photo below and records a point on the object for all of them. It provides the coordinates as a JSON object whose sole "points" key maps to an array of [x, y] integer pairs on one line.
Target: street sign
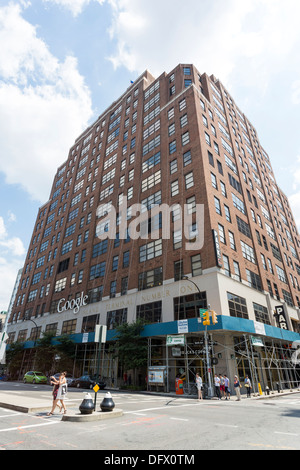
{"points": [[96, 388], [175, 340], [202, 312]]}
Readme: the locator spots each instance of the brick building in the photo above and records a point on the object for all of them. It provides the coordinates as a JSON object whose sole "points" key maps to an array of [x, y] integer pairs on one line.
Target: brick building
{"points": [[182, 141]]}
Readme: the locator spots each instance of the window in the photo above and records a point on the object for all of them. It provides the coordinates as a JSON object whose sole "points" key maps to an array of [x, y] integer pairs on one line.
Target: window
{"points": [[69, 327], [172, 147], [97, 270], [185, 138], [281, 274], [189, 180], [115, 318], [217, 206], [150, 250], [183, 120], [174, 188], [237, 274], [60, 285], [178, 270], [150, 312], [226, 265], [126, 259], [196, 265], [253, 280], [243, 227], [151, 278], [261, 314], [188, 306], [187, 158], [248, 252], [237, 306], [222, 234]]}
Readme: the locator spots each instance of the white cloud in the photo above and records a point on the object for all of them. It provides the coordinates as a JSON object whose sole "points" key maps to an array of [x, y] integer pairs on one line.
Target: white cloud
{"points": [[44, 105], [12, 252], [218, 38], [75, 6]]}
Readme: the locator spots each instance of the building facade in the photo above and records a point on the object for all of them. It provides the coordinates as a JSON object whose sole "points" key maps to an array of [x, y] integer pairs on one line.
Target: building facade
{"points": [[226, 239]]}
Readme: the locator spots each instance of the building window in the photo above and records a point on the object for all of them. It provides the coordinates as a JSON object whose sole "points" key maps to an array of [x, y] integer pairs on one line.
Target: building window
{"points": [[196, 265], [188, 306], [113, 289], [89, 323], [151, 278], [237, 306], [178, 270], [150, 250], [150, 313], [60, 285], [218, 206], [226, 265], [261, 314], [253, 280], [95, 295], [115, 318], [97, 270], [69, 327], [189, 180]]}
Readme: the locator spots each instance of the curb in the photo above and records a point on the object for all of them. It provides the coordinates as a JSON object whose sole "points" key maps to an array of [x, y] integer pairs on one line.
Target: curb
{"points": [[95, 416]]}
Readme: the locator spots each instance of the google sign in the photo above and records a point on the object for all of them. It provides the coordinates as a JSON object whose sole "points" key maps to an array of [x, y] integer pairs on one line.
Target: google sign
{"points": [[73, 304]]}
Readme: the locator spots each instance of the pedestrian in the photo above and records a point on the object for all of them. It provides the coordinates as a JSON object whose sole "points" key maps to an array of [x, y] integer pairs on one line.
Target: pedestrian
{"points": [[237, 387], [222, 386], [217, 386], [227, 387], [199, 385], [248, 386], [59, 392]]}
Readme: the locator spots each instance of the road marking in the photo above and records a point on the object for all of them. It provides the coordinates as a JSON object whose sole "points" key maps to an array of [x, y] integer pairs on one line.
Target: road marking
{"points": [[19, 428], [286, 433], [226, 425], [9, 415], [179, 419]]}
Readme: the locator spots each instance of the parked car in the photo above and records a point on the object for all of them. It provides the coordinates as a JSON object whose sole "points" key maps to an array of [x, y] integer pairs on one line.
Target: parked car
{"points": [[86, 381], [34, 377], [69, 378]]}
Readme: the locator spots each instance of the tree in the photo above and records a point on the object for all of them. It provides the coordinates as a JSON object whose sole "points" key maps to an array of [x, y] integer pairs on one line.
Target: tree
{"points": [[45, 352], [14, 356], [131, 348]]}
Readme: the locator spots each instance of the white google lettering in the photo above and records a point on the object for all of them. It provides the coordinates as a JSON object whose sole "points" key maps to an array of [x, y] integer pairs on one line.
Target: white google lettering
{"points": [[73, 304]]}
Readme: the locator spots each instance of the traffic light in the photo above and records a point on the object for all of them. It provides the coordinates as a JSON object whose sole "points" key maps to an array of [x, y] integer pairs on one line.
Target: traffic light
{"points": [[214, 317], [206, 320]]}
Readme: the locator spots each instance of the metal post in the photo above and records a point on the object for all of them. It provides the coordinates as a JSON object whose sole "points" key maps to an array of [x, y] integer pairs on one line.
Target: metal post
{"points": [[208, 365]]}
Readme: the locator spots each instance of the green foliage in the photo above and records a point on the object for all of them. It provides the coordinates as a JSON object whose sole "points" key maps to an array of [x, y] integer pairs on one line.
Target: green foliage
{"points": [[131, 348]]}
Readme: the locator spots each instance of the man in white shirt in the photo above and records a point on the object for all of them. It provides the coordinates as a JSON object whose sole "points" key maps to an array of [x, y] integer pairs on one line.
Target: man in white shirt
{"points": [[217, 387]]}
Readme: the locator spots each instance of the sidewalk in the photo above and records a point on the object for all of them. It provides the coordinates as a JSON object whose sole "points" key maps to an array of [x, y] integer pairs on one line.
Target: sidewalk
{"points": [[24, 404]]}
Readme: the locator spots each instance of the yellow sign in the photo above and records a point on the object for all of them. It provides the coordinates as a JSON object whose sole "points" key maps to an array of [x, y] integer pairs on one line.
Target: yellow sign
{"points": [[96, 388]]}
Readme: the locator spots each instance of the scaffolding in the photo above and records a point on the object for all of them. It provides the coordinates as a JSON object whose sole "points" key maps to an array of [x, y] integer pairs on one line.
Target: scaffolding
{"points": [[267, 362]]}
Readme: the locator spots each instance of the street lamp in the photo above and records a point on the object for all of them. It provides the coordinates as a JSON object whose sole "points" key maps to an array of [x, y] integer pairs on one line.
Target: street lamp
{"points": [[208, 365]]}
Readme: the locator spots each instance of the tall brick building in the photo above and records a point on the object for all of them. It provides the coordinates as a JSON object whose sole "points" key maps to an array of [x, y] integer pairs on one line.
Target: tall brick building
{"points": [[179, 140]]}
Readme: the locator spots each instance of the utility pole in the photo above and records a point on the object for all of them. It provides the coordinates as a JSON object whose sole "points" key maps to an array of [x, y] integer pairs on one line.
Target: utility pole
{"points": [[206, 322]]}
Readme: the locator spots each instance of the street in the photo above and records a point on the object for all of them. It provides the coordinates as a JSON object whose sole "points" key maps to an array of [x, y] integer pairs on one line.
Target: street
{"points": [[155, 423]]}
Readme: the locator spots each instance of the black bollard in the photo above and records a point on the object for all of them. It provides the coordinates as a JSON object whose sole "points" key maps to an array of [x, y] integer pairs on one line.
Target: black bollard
{"points": [[107, 403], [87, 406]]}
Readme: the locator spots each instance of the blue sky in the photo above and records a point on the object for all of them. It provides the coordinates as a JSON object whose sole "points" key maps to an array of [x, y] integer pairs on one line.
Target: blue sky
{"points": [[62, 62]]}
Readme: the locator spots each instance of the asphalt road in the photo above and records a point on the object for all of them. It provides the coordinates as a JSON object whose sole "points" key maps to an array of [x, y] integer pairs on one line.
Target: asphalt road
{"points": [[168, 425]]}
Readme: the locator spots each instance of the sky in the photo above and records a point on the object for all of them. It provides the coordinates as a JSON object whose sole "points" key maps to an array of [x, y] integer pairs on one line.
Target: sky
{"points": [[63, 62]]}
